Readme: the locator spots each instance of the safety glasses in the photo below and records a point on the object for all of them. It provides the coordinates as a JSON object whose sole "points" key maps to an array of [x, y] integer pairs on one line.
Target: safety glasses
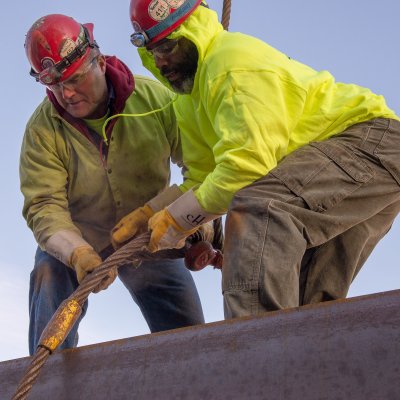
{"points": [[75, 80], [165, 49], [52, 75]]}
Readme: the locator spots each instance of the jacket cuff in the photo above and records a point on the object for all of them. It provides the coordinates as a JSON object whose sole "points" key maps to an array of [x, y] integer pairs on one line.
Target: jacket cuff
{"points": [[188, 213], [165, 198], [61, 245]]}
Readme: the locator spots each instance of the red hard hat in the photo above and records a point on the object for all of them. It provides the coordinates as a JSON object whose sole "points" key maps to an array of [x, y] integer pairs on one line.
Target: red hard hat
{"points": [[56, 46], [154, 20]]}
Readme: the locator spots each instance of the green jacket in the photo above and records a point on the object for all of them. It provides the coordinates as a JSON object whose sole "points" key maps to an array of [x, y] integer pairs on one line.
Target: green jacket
{"points": [[67, 185], [250, 106]]}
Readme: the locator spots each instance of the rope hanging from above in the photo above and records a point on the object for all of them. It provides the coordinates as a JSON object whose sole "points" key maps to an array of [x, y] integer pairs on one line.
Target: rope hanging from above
{"points": [[226, 14]]}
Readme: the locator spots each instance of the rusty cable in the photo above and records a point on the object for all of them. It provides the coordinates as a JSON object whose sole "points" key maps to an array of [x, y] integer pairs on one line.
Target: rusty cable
{"points": [[39, 358], [69, 311]]}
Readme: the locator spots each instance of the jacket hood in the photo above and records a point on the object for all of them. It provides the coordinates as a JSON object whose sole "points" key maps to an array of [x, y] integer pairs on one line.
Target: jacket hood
{"points": [[200, 28]]}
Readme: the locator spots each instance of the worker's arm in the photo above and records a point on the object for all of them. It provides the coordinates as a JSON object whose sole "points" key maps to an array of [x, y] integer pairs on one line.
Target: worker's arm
{"points": [[44, 181], [72, 250], [248, 133]]}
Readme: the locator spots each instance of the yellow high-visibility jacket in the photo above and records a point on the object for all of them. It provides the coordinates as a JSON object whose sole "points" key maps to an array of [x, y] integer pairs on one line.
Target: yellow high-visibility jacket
{"points": [[250, 106], [66, 183]]}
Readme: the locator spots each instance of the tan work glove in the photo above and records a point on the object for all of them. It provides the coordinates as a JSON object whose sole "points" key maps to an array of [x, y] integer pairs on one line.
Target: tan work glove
{"points": [[85, 260], [171, 226], [136, 222], [131, 226]]}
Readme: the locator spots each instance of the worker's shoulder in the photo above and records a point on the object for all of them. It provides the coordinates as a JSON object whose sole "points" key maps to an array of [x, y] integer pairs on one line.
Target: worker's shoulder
{"points": [[42, 113], [234, 50], [150, 90], [231, 43], [147, 82]]}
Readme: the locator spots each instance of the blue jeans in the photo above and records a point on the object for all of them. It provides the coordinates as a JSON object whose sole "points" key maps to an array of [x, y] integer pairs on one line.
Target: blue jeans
{"points": [[164, 291]]}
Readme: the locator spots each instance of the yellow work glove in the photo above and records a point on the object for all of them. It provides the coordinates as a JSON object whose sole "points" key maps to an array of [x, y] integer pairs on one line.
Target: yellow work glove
{"points": [[131, 225], [171, 226], [135, 223], [166, 232], [85, 260]]}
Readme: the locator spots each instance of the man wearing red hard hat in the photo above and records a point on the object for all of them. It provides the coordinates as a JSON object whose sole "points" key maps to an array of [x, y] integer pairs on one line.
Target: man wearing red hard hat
{"points": [[306, 168], [94, 150]]}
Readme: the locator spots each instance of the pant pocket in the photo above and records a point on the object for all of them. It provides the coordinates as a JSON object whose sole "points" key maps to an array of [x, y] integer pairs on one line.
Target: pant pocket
{"points": [[387, 150], [245, 228], [323, 174]]}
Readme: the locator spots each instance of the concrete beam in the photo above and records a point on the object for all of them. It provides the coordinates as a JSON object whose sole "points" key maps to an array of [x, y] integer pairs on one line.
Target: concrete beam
{"points": [[346, 349]]}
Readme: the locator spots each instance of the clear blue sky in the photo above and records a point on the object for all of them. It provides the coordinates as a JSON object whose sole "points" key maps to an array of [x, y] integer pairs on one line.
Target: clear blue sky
{"points": [[356, 40]]}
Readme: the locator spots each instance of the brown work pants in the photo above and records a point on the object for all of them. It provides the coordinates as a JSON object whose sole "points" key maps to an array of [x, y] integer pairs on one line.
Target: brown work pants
{"points": [[301, 234]]}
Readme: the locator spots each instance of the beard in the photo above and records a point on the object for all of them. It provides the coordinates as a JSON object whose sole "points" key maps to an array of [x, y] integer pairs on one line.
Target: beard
{"points": [[185, 86], [181, 74]]}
